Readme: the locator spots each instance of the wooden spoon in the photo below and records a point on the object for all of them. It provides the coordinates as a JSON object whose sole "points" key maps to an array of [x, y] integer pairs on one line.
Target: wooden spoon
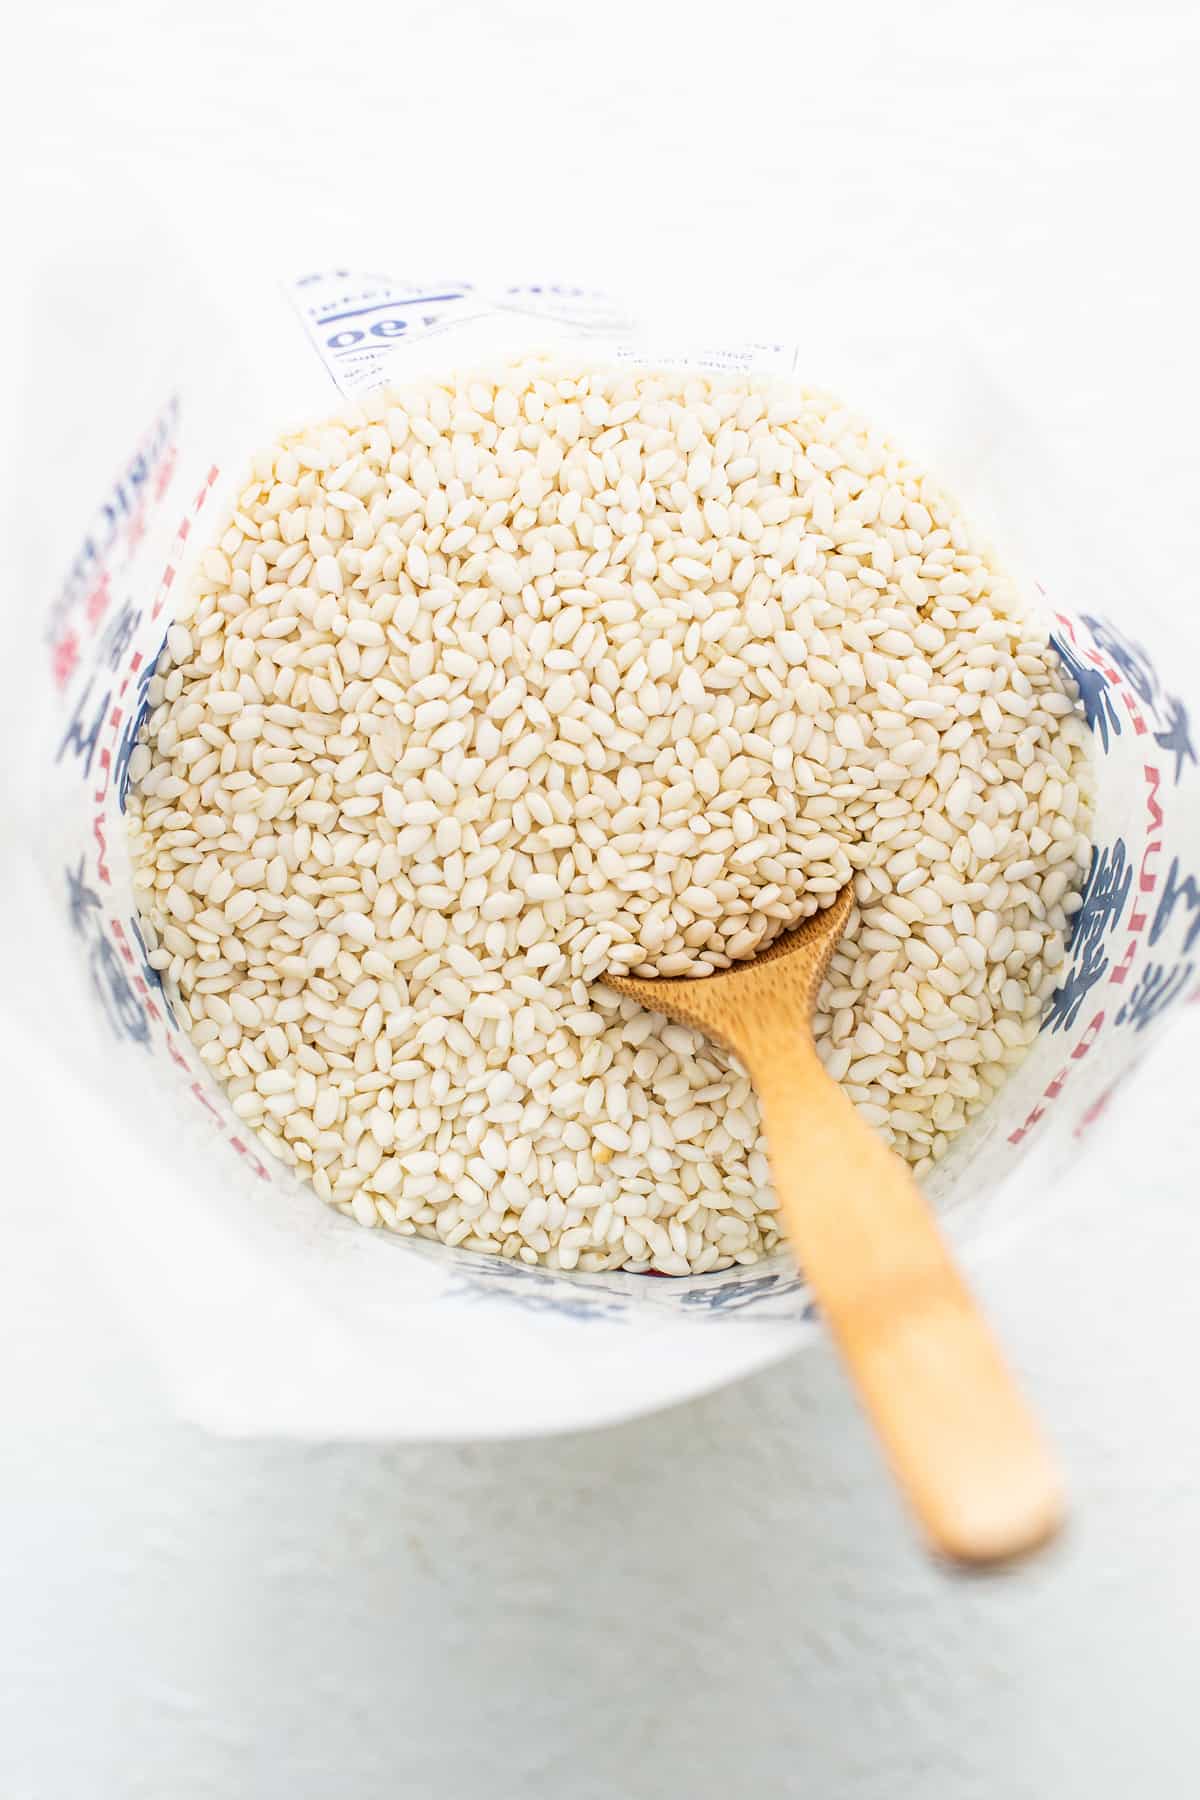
{"points": [[960, 1439]]}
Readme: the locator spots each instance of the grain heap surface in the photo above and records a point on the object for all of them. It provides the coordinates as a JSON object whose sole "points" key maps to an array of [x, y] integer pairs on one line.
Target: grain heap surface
{"points": [[500, 682]]}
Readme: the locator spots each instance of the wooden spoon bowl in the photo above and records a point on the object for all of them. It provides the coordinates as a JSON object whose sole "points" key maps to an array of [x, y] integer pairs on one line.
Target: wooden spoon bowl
{"points": [[960, 1440]]}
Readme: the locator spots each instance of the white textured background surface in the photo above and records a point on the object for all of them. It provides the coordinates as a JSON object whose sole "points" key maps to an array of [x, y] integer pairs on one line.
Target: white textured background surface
{"points": [[720, 1600]]}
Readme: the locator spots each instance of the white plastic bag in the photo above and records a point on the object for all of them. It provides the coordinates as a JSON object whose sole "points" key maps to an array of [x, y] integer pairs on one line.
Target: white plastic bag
{"points": [[269, 1313]]}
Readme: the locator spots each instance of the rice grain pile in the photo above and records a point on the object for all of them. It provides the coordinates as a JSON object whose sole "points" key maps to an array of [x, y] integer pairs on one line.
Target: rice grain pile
{"points": [[500, 682]]}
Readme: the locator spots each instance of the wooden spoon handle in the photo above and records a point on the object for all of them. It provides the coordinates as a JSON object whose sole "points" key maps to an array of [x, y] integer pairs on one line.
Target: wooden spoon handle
{"points": [[961, 1442]]}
